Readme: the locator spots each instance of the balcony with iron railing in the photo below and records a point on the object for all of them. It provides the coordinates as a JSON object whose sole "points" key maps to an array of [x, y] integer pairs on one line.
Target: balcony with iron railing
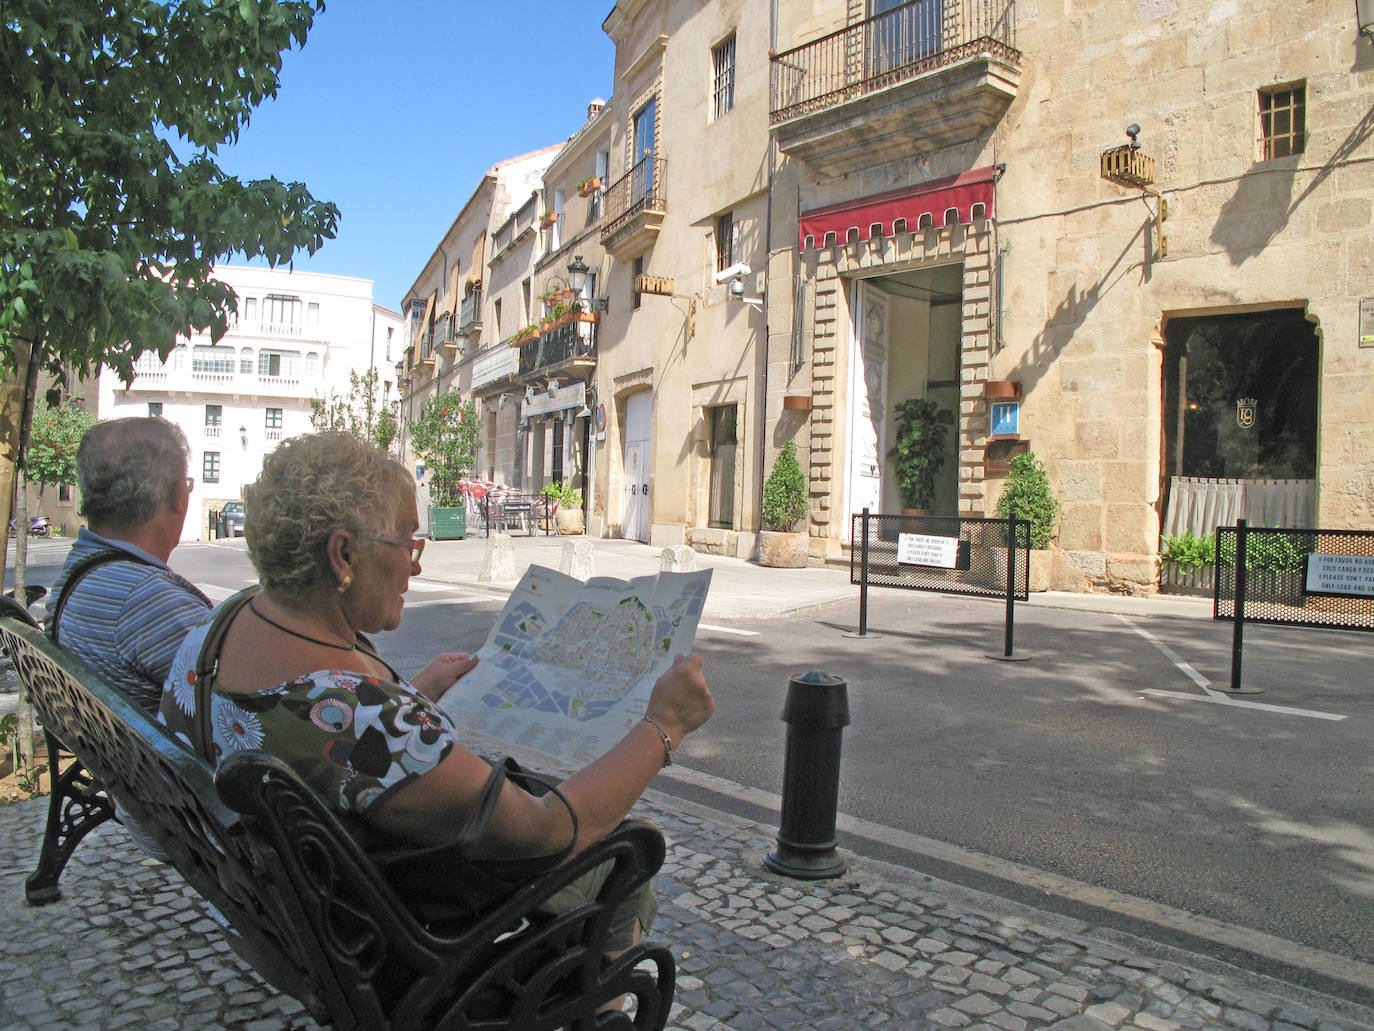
{"points": [[470, 315], [495, 364], [924, 76], [570, 346], [634, 209]]}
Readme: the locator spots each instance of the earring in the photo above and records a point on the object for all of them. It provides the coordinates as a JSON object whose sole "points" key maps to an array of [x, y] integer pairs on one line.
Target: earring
{"points": [[346, 582]]}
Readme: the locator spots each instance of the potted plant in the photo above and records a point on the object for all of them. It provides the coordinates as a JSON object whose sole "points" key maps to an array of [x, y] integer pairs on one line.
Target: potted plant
{"points": [[1188, 563], [1026, 494], [586, 187], [568, 517], [548, 218], [445, 438], [784, 504], [918, 452]]}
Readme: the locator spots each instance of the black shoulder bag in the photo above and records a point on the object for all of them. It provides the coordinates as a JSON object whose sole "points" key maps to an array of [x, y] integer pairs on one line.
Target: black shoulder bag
{"points": [[438, 883]]}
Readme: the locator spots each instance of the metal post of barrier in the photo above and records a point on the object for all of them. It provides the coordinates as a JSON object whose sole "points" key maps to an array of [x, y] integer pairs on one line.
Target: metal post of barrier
{"points": [[816, 713], [863, 580], [1238, 630], [1008, 635]]}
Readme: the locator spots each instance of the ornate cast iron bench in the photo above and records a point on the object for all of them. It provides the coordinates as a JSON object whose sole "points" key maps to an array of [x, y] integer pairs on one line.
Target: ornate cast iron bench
{"points": [[305, 906]]}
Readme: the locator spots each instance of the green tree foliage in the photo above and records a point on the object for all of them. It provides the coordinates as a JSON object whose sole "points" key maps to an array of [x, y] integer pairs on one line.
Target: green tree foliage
{"points": [[784, 492], [57, 433], [112, 208], [445, 438], [1027, 495], [362, 412]]}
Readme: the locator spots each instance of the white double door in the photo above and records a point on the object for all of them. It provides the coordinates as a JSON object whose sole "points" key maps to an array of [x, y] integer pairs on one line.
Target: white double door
{"points": [[638, 438]]}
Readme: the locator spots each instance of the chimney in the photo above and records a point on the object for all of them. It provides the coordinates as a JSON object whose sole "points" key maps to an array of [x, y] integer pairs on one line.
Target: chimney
{"points": [[594, 108]]}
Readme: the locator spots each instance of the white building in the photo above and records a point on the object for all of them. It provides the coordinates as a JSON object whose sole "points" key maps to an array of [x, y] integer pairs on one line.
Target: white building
{"points": [[297, 337]]}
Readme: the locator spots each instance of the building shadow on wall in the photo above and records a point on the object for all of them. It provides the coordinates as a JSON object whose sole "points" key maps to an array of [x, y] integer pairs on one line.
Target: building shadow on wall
{"points": [[1263, 202], [1073, 310]]}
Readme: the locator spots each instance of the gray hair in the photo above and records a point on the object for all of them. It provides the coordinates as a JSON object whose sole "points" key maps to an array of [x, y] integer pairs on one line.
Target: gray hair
{"points": [[128, 468], [310, 487]]}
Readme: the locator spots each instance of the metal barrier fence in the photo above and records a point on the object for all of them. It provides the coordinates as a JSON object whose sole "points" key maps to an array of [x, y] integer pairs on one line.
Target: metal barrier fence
{"points": [[1292, 577], [947, 554]]}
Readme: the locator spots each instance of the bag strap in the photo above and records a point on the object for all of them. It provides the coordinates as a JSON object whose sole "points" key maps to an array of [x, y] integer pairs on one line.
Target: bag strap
{"points": [[207, 666], [79, 571], [508, 769]]}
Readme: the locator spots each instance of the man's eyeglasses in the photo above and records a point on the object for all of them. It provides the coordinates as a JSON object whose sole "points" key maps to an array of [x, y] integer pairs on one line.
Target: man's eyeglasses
{"points": [[415, 545], [190, 485]]}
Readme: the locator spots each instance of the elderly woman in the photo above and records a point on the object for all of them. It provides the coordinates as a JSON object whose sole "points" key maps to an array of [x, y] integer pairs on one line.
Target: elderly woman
{"points": [[331, 526]]}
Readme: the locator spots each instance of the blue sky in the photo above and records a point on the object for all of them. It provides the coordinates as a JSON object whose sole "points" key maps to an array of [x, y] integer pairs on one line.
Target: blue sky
{"points": [[393, 111]]}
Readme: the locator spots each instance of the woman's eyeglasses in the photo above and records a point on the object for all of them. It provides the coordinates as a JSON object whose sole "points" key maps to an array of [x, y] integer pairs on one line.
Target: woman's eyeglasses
{"points": [[416, 545]]}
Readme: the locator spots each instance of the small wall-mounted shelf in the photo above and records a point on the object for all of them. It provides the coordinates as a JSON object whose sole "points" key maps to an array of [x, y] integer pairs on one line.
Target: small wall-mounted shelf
{"points": [[1002, 390]]}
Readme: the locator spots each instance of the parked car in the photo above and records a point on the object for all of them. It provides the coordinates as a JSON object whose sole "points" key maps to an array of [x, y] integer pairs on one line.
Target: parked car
{"points": [[231, 519]]}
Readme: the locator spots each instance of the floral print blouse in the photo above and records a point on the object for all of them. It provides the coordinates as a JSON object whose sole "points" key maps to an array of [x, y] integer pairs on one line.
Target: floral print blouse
{"points": [[352, 737]]}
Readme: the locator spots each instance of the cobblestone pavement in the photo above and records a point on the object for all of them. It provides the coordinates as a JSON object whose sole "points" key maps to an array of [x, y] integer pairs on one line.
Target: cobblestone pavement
{"points": [[129, 945]]}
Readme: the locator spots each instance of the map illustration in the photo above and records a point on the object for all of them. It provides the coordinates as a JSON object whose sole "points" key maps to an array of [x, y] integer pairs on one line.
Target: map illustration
{"points": [[569, 666]]}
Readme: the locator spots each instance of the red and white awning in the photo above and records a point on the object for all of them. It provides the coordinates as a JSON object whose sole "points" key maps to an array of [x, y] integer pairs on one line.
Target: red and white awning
{"points": [[963, 194]]}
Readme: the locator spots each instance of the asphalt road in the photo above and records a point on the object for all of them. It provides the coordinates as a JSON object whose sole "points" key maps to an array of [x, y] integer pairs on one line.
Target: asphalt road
{"points": [[1098, 758]]}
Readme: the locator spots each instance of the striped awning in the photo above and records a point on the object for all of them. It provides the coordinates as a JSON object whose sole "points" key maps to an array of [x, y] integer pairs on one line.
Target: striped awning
{"points": [[962, 193]]}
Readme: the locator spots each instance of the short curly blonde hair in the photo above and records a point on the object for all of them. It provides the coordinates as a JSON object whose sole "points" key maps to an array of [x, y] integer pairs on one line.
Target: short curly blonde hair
{"points": [[309, 487]]}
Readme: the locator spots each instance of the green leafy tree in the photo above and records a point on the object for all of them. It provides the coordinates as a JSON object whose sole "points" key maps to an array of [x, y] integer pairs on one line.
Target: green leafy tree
{"points": [[445, 438], [362, 412], [112, 208], [57, 433], [784, 492], [1027, 495]]}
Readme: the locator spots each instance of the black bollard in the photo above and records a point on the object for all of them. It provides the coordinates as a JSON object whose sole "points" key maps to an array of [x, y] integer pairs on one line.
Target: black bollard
{"points": [[816, 712]]}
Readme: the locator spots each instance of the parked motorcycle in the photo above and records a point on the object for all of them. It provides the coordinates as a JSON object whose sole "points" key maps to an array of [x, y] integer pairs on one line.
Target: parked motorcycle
{"points": [[40, 526]]}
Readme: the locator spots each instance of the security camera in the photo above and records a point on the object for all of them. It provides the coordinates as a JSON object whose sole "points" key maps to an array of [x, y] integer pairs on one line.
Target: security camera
{"points": [[737, 272]]}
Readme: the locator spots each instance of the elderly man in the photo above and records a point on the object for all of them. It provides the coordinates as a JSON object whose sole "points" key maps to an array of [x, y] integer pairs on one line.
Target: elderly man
{"points": [[116, 604]]}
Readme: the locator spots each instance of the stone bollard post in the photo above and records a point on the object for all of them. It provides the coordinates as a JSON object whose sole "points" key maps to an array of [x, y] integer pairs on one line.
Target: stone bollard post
{"points": [[678, 558], [498, 564], [816, 712], [578, 560]]}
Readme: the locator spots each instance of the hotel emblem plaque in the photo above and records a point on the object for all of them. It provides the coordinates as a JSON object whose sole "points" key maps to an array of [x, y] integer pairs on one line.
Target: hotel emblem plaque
{"points": [[1245, 412]]}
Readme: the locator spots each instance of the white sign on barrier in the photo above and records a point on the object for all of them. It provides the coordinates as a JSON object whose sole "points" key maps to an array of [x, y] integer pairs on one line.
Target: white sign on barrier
{"points": [[919, 549], [1340, 574]]}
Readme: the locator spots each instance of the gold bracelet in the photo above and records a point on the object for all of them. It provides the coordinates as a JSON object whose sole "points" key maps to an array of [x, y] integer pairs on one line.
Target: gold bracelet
{"points": [[667, 741]]}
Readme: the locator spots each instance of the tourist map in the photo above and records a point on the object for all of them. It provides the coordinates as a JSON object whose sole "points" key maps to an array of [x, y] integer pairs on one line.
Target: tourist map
{"points": [[569, 666]]}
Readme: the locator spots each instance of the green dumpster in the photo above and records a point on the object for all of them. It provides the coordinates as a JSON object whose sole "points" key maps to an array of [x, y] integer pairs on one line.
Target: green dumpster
{"points": [[448, 524]]}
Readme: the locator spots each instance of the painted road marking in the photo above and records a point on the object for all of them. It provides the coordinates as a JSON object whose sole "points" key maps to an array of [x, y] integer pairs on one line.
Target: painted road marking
{"points": [[1171, 655], [1220, 699], [727, 630]]}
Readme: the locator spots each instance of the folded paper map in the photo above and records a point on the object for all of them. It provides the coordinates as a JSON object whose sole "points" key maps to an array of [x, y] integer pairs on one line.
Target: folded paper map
{"points": [[569, 666]]}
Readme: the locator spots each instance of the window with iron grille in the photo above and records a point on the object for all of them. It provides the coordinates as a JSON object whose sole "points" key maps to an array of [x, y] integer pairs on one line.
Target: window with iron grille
{"points": [[1283, 120], [725, 241], [723, 93], [210, 467]]}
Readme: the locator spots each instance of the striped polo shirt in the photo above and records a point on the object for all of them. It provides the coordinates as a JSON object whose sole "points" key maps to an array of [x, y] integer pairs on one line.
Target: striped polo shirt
{"points": [[125, 619]]}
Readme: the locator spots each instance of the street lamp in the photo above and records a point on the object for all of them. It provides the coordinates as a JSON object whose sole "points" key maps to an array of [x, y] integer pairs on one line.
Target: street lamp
{"points": [[577, 268]]}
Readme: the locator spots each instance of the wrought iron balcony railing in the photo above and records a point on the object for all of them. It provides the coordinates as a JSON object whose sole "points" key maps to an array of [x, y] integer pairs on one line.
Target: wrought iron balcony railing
{"points": [[877, 52], [566, 343], [470, 315], [638, 190]]}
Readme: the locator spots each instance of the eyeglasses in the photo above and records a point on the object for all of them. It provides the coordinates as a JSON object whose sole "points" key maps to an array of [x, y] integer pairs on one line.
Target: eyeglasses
{"points": [[190, 485], [415, 545]]}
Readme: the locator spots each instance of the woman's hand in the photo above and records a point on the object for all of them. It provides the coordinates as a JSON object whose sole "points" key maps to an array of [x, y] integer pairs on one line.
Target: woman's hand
{"points": [[681, 701], [441, 673]]}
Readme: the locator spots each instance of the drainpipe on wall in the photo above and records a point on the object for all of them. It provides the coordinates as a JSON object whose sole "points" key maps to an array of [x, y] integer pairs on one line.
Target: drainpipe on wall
{"points": [[768, 285]]}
